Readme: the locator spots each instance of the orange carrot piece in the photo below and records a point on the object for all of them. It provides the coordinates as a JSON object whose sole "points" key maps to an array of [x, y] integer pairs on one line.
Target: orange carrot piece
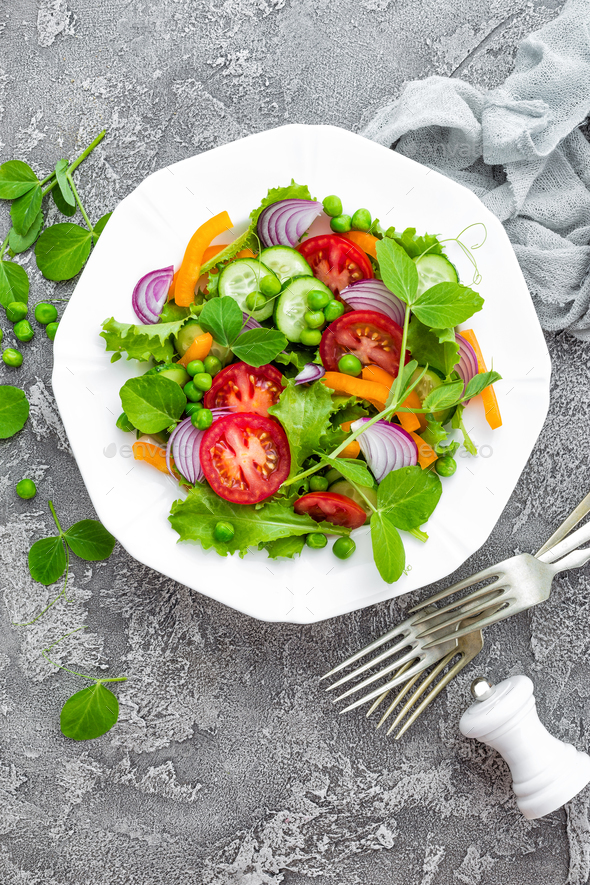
{"points": [[426, 455], [352, 450], [488, 396], [376, 373], [190, 269], [151, 454], [372, 391], [407, 420], [198, 349], [365, 241]]}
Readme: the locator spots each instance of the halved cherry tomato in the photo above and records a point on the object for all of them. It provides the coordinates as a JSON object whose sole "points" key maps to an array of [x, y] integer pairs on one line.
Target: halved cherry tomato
{"points": [[245, 457], [335, 261], [337, 509], [370, 336], [243, 388]]}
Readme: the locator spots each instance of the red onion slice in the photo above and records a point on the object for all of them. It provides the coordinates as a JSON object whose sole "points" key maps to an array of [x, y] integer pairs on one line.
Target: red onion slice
{"points": [[184, 445], [150, 293], [285, 222], [386, 447], [310, 372], [249, 323], [374, 295], [467, 367]]}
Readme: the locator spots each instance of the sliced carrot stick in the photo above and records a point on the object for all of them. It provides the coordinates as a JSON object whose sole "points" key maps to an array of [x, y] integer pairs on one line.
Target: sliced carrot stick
{"points": [[426, 455], [151, 454], [198, 349], [376, 373], [372, 391], [488, 396], [407, 420], [352, 450], [190, 269], [365, 241]]}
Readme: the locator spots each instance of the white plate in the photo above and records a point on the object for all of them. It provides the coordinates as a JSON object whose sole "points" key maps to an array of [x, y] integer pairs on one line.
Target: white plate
{"points": [[150, 228]]}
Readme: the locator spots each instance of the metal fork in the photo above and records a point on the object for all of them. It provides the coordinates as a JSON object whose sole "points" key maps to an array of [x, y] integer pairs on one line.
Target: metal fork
{"points": [[454, 629]]}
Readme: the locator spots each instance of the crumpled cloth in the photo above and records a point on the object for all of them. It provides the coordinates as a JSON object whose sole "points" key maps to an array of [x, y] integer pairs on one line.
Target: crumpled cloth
{"points": [[520, 148]]}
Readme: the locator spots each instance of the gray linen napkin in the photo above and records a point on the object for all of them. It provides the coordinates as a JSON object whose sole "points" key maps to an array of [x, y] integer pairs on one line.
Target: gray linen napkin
{"points": [[520, 149]]}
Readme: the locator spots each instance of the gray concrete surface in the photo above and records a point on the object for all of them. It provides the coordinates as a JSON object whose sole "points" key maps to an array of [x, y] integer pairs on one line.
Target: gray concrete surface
{"points": [[228, 767]]}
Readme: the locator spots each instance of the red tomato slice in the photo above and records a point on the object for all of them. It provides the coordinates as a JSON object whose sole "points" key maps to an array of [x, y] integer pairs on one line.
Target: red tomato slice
{"points": [[335, 261], [245, 457], [372, 337], [243, 388], [337, 509]]}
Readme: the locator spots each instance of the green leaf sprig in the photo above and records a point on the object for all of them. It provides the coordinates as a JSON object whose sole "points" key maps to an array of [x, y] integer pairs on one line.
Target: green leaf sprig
{"points": [[14, 410], [223, 319]]}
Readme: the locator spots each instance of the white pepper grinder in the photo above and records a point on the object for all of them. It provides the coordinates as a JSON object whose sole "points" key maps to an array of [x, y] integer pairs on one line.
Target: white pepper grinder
{"points": [[546, 773]]}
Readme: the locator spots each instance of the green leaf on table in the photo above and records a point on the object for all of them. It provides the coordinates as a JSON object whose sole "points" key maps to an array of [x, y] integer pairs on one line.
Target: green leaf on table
{"points": [[354, 471], [89, 713], [47, 560], [61, 204], [62, 250], [444, 397], [426, 348], [257, 347], [14, 283], [457, 424], [413, 243], [89, 540], [223, 319], [63, 184], [141, 342], [152, 402], [101, 224], [14, 410], [195, 519], [20, 243], [388, 548], [409, 496], [25, 210], [446, 305], [304, 411], [16, 179], [480, 382], [398, 271], [285, 547]]}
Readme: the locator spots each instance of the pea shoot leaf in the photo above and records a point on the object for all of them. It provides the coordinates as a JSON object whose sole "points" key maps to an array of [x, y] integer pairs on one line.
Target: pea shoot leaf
{"points": [[415, 244], [47, 560], [222, 318], [480, 382], [14, 410], [388, 548], [426, 348], [16, 179], [14, 283], [20, 243], [63, 184], [354, 471], [25, 210], [409, 496], [152, 402], [434, 435], [61, 204], [444, 397], [285, 547], [141, 342], [62, 250], [446, 305], [304, 411], [257, 347], [398, 271], [457, 424], [89, 540], [101, 224], [89, 713]]}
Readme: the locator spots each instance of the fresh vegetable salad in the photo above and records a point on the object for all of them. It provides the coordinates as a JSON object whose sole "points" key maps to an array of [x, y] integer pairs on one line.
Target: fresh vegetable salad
{"points": [[299, 386]]}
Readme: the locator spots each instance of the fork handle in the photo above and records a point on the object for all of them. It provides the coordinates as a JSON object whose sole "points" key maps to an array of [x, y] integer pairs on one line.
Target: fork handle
{"points": [[573, 541], [573, 560]]}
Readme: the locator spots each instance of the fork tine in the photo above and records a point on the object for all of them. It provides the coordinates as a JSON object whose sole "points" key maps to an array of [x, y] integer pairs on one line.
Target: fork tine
{"points": [[492, 572], [403, 643], [365, 651], [476, 594], [398, 698], [428, 680], [409, 656], [477, 623], [380, 699], [414, 670]]}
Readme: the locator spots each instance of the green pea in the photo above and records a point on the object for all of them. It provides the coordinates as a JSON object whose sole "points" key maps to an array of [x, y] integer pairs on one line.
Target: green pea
{"points": [[212, 365], [12, 357], [341, 224], [51, 329], [361, 220], [349, 364], [26, 489], [318, 483], [270, 285], [314, 319], [23, 330], [343, 548], [332, 205], [310, 337], [195, 367], [445, 466], [16, 311], [123, 423], [316, 540], [224, 532], [255, 301], [203, 381], [45, 313], [192, 408], [333, 310], [192, 393], [317, 299], [202, 420]]}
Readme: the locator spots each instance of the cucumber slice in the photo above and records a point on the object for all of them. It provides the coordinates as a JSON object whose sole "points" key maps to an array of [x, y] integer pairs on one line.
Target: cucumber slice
{"points": [[292, 305], [187, 335], [428, 383], [285, 262], [433, 269], [343, 487], [241, 277]]}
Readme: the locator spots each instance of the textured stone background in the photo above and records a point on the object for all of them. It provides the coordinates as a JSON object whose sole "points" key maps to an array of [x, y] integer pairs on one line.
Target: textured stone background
{"points": [[228, 767]]}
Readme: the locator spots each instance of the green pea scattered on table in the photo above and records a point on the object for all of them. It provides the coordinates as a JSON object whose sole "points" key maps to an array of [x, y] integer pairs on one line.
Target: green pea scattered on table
{"points": [[26, 489]]}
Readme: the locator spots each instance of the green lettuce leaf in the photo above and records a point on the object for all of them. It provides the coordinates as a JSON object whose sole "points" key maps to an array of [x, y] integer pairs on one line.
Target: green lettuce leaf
{"points": [[413, 243], [304, 411], [425, 347], [141, 342], [287, 547]]}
